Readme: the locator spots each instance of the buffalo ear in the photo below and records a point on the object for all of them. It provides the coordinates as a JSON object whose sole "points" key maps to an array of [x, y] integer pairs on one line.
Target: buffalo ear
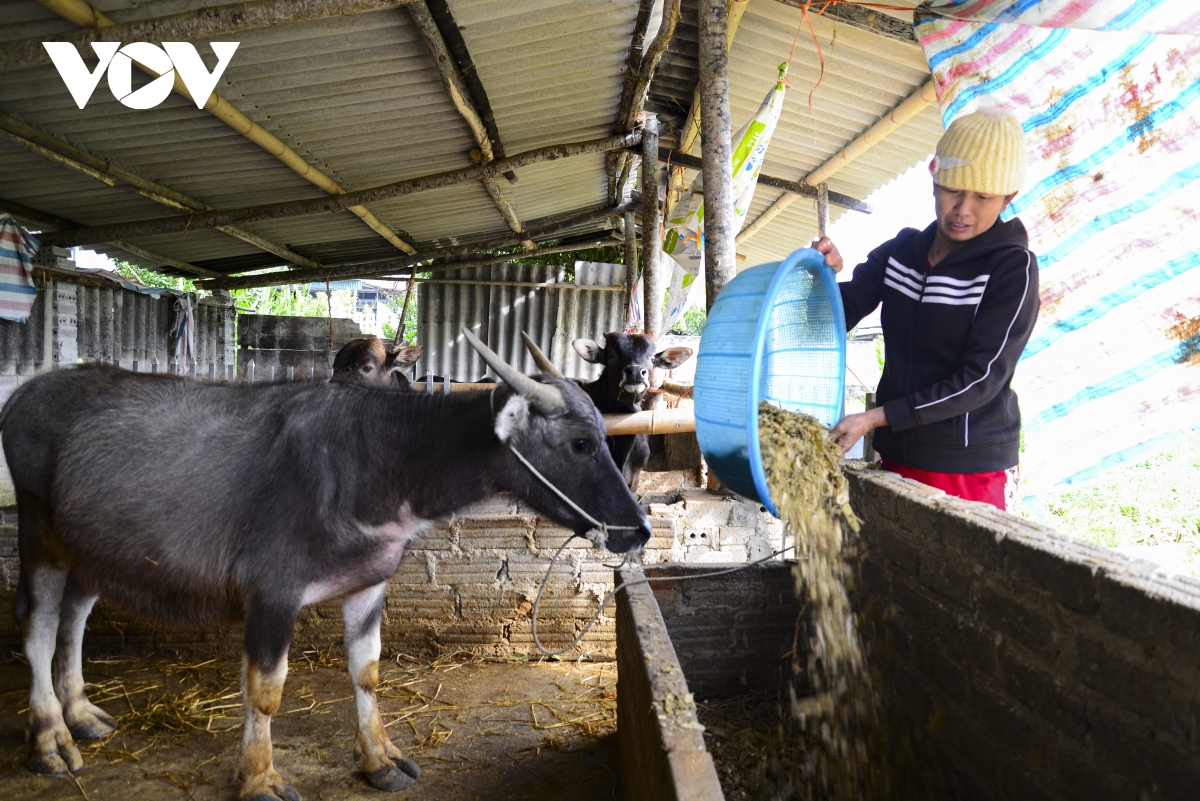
{"points": [[402, 357], [590, 350], [671, 358]]}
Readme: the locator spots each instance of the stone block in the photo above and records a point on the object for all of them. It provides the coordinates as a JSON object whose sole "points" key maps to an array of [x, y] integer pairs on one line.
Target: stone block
{"points": [[1046, 563], [1045, 692], [1006, 612], [1123, 671], [893, 545]]}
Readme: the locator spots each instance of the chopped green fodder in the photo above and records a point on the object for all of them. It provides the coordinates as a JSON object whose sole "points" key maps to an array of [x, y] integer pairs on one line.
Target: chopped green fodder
{"points": [[847, 739]]}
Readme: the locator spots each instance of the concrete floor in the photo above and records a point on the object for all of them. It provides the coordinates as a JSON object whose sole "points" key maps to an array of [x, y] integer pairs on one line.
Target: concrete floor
{"points": [[478, 729]]}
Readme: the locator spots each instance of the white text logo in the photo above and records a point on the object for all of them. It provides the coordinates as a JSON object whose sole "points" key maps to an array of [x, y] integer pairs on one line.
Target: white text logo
{"points": [[118, 61]]}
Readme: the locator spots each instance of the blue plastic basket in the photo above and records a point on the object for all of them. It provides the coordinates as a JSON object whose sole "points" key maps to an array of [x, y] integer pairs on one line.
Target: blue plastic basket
{"points": [[777, 332]]}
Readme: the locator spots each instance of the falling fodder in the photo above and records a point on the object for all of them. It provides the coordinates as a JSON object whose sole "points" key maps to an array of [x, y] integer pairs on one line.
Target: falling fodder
{"points": [[832, 699]]}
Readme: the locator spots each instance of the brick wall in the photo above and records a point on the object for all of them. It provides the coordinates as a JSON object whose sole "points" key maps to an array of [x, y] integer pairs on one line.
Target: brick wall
{"points": [[731, 632], [1040, 666], [470, 582]]}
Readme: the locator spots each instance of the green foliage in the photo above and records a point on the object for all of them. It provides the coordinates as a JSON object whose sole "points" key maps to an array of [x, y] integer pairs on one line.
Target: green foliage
{"points": [[691, 324], [290, 301], [1152, 502], [611, 254], [396, 304], [879, 351], [150, 278]]}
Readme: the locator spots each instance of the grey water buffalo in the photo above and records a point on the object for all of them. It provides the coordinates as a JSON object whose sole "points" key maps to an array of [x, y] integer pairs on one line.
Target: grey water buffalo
{"points": [[629, 361], [369, 361], [311, 492]]}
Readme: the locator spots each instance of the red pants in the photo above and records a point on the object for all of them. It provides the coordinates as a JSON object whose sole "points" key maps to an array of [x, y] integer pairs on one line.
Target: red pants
{"points": [[984, 487]]}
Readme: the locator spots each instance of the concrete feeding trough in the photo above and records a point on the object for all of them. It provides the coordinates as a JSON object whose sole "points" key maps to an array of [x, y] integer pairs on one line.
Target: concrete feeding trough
{"points": [[1020, 663]]}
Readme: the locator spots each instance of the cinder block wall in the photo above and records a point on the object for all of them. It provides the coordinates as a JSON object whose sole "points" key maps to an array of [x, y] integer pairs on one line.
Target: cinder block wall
{"points": [[732, 633], [470, 582], [1040, 666]]}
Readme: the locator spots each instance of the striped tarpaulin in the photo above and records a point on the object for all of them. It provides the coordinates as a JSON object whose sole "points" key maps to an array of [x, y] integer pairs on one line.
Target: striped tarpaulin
{"points": [[1108, 92], [17, 249]]}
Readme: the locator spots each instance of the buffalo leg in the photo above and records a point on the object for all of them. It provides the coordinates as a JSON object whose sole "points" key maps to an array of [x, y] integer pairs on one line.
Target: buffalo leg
{"points": [[85, 720], [51, 748], [381, 761], [268, 636]]}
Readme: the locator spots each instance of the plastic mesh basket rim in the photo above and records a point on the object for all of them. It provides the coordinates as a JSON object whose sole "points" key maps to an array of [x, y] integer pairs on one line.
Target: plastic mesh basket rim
{"points": [[802, 259]]}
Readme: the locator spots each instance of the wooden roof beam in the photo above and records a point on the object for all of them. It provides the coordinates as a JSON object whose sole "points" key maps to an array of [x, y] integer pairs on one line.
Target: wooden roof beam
{"points": [[202, 23], [85, 16], [460, 96], [335, 203], [865, 19], [42, 218], [390, 267], [76, 158], [639, 70]]}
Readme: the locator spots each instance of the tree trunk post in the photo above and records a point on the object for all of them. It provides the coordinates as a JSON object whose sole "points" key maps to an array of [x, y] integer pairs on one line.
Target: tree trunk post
{"points": [[651, 290], [631, 264], [720, 253], [822, 209]]}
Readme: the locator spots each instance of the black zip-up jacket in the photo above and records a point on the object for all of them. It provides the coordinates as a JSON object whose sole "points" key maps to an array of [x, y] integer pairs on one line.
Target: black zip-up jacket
{"points": [[952, 336]]}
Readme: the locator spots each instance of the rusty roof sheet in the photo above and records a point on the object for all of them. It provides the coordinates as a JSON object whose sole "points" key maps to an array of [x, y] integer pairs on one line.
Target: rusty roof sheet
{"points": [[359, 98]]}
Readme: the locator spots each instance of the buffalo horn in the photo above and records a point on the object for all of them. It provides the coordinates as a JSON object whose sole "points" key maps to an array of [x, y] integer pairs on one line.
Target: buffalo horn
{"points": [[545, 399], [545, 365]]}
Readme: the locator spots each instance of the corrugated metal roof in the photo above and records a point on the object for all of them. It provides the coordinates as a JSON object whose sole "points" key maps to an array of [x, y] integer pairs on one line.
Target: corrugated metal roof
{"points": [[866, 75], [359, 97]]}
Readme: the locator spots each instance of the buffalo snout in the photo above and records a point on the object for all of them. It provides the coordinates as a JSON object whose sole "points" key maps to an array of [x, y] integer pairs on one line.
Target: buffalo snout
{"points": [[624, 540]]}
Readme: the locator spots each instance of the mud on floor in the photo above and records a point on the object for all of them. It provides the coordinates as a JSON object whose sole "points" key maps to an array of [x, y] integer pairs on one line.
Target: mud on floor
{"points": [[479, 729]]}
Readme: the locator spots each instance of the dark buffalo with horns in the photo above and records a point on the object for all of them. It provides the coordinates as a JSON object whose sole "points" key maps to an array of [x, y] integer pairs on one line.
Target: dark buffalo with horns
{"points": [[629, 361], [371, 362], [313, 492]]}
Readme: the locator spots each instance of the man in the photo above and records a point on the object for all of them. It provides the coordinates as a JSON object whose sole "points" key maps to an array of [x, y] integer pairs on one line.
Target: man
{"points": [[959, 302]]}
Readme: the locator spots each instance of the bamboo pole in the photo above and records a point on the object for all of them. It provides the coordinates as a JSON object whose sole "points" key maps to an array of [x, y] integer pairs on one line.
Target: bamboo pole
{"points": [[720, 255], [335, 203], [655, 421], [651, 284], [85, 16], [904, 111], [212, 22], [81, 160]]}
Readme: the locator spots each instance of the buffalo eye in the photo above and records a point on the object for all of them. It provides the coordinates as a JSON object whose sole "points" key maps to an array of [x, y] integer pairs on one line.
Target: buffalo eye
{"points": [[368, 368], [584, 446]]}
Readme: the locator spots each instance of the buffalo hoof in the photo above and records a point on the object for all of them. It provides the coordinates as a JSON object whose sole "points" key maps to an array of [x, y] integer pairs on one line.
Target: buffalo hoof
{"points": [[283, 791], [405, 774], [92, 724], [48, 765]]}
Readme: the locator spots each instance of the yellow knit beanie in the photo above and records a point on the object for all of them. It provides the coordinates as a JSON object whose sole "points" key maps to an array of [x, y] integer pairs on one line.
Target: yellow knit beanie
{"points": [[983, 151]]}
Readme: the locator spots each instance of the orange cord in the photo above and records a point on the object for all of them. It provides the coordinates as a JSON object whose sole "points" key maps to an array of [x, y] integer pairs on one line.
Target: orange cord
{"points": [[804, 20]]}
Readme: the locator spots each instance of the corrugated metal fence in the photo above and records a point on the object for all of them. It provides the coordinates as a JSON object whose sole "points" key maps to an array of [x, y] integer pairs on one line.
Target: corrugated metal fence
{"points": [[98, 320], [517, 297]]}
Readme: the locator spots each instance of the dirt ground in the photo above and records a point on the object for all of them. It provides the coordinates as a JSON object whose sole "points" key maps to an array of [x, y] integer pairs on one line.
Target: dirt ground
{"points": [[478, 729]]}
